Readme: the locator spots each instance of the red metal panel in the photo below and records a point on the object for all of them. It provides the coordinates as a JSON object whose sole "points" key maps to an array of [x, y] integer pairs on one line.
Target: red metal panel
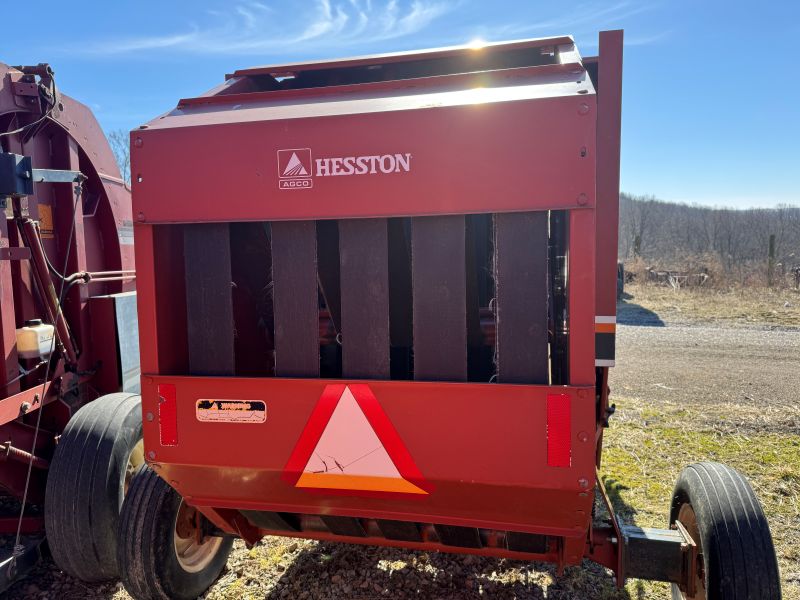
{"points": [[167, 415], [9, 369], [492, 472], [66, 210], [609, 109], [146, 301], [581, 289], [559, 440], [460, 156]]}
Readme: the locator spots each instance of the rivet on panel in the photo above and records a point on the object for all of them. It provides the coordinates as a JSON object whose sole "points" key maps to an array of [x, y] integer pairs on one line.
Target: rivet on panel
{"points": [[151, 455], [150, 416], [583, 482], [583, 199], [583, 436], [140, 217], [138, 143], [583, 108]]}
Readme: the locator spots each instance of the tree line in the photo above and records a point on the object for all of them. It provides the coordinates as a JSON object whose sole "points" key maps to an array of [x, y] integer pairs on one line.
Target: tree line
{"points": [[736, 242]]}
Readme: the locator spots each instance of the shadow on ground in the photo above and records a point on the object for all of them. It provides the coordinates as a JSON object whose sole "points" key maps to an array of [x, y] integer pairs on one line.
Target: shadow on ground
{"points": [[626, 514], [629, 313]]}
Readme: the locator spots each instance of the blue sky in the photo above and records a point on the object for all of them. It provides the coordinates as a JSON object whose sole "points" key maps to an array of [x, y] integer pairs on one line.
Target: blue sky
{"points": [[710, 106]]}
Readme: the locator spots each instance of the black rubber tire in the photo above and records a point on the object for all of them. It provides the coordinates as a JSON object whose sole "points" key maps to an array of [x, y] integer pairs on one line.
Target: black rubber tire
{"points": [[738, 553], [148, 565], [85, 485]]}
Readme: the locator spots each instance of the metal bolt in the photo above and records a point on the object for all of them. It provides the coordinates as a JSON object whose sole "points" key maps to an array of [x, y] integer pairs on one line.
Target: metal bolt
{"points": [[150, 416], [583, 109], [583, 199], [583, 482], [138, 142], [151, 455], [24, 407], [583, 91], [583, 436]]}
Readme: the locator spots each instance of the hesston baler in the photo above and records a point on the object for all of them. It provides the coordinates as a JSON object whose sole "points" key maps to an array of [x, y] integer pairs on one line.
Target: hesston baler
{"points": [[377, 305], [68, 331]]}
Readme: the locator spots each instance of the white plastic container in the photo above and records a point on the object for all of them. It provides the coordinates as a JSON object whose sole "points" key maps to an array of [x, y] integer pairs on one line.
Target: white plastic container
{"points": [[35, 340]]}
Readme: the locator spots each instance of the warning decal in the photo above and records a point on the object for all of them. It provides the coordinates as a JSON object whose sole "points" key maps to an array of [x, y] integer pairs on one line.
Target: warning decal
{"points": [[231, 411], [350, 446]]}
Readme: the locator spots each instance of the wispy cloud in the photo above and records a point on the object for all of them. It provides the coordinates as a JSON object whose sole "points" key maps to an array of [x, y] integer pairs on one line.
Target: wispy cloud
{"points": [[250, 28], [582, 20]]}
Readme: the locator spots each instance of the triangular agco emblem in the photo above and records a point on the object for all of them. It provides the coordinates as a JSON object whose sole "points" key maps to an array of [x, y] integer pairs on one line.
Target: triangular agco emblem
{"points": [[350, 446], [294, 169]]}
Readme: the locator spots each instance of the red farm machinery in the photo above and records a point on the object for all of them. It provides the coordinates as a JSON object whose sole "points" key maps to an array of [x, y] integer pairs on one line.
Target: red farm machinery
{"points": [[377, 304], [68, 332]]}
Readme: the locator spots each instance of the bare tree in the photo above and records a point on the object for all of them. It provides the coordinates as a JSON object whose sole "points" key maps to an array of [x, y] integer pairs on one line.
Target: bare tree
{"points": [[120, 146]]}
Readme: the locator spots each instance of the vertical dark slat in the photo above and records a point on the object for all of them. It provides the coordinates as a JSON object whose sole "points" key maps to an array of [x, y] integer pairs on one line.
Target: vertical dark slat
{"points": [[559, 346], [328, 269], [364, 289], [364, 268], [399, 284], [439, 291], [295, 298], [209, 303], [521, 278], [400, 298], [349, 526], [440, 317]]}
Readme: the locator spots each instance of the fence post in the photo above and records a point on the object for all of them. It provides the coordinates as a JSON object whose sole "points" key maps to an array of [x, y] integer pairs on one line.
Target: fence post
{"points": [[771, 260]]}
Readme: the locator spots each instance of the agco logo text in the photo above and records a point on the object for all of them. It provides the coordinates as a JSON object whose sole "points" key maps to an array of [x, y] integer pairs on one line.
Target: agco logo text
{"points": [[297, 169]]}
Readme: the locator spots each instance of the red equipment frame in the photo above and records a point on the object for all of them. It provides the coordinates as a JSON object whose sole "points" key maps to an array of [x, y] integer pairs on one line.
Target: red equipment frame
{"points": [[59, 133], [514, 458]]}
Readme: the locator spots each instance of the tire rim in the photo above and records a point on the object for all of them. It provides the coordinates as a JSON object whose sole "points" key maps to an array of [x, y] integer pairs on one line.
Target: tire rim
{"points": [[688, 519], [135, 458], [193, 555]]}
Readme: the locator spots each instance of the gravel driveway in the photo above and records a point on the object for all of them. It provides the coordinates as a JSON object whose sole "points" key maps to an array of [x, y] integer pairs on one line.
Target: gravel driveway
{"points": [[707, 364]]}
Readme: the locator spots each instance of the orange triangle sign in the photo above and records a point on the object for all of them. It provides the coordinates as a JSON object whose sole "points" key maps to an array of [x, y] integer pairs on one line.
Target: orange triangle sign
{"points": [[349, 446]]}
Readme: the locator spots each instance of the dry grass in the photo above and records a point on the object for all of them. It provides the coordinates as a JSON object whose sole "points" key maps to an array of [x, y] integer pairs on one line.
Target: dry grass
{"points": [[736, 305]]}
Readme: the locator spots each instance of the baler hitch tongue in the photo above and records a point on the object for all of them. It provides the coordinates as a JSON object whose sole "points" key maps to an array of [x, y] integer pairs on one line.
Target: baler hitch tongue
{"points": [[668, 555]]}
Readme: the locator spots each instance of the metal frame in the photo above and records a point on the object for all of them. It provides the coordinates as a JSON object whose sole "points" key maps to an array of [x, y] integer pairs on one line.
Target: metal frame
{"points": [[61, 143]]}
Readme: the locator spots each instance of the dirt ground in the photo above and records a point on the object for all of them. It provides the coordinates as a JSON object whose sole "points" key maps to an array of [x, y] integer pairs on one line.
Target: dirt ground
{"points": [[699, 377]]}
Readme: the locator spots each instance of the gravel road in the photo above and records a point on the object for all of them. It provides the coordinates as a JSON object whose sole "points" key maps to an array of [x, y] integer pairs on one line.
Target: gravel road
{"points": [[754, 371]]}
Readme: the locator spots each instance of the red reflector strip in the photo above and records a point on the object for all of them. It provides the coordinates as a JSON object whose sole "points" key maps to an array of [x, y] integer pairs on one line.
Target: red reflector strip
{"points": [[167, 414], [559, 440]]}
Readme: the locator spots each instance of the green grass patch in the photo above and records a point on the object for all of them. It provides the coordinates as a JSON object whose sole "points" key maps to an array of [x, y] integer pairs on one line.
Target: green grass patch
{"points": [[643, 457]]}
